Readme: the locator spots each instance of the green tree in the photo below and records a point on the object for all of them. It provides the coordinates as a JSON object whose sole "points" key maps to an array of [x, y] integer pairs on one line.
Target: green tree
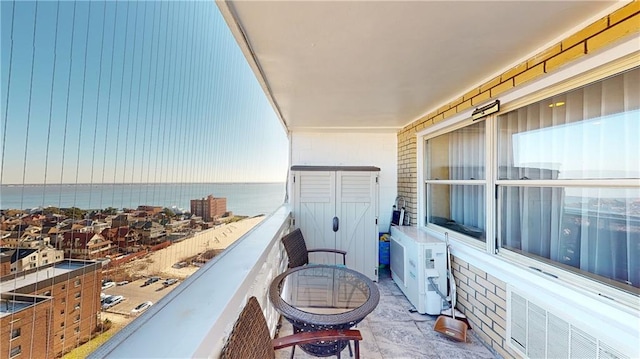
{"points": [[74, 212], [52, 210], [168, 212], [110, 211]]}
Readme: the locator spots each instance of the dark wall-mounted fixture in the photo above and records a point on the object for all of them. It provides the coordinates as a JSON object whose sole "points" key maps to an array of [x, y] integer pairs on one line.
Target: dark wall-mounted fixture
{"points": [[486, 110]]}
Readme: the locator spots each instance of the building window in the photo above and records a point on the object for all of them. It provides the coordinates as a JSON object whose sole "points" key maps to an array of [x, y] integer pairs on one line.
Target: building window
{"points": [[77, 282], [62, 325], [61, 311], [77, 307], [47, 293], [76, 330], [15, 351], [15, 333], [567, 183], [78, 295], [62, 337], [63, 287], [455, 181], [63, 300], [77, 318], [557, 179]]}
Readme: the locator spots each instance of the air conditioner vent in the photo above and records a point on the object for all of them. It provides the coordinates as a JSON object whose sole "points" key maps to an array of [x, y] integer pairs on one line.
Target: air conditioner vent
{"points": [[537, 332], [609, 353], [397, 259], [557, 337], [518, 322], [583, 345]]}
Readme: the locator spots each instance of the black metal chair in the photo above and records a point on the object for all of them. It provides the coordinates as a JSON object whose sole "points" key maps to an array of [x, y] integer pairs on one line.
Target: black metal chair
{"points": [[250, 336], [297, 250]]}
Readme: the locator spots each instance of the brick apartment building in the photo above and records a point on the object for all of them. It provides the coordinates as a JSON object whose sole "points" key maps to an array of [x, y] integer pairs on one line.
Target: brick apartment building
{"points": [[209, 208], [48, 311]]}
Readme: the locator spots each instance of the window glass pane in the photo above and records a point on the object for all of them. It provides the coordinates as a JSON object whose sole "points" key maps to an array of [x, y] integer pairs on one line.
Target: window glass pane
{"points": [[589, 230], [457, 155], [460, 208], [588, 133]]}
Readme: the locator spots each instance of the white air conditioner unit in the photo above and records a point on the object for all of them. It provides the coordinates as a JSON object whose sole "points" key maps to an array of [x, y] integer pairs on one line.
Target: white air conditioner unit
{"points": [[414, 256]]}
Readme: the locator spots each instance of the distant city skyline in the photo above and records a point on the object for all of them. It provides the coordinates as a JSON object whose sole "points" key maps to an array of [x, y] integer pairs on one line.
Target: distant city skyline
{"points": [[131, 92]]}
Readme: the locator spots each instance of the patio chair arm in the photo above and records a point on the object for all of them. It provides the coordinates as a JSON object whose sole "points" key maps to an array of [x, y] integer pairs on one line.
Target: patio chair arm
{"points": [[331, 250], [312, 337]]}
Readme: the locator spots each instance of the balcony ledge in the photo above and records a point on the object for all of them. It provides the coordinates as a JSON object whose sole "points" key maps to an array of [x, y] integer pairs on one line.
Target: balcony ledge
{"points": [[195, 318]]}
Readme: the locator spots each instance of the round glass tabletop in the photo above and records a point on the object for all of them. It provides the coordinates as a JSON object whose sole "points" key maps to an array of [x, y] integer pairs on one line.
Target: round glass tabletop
{"points": [[328, 296]]}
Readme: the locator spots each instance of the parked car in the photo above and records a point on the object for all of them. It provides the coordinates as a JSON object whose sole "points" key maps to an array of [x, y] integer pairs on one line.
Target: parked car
{"points": [[151, 280], [107, 285], [169, 282], [123, 282], [103, 297], [111, 301], [180, 265], [141, 307]]}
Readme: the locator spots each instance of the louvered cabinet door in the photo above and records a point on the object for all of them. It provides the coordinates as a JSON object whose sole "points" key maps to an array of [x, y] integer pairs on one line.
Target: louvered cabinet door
{"points": [[356, 207], [314, 209]]}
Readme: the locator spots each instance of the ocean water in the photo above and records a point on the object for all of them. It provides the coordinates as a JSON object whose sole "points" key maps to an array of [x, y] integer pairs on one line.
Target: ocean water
{"points": [[242, 198]]}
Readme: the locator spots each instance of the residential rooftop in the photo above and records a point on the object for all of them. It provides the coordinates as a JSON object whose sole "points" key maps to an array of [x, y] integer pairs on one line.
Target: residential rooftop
{"points": [[16, 281], [11, 304]]}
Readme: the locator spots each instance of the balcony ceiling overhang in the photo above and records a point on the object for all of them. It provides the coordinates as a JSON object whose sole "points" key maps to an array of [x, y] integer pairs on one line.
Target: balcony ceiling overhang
{"points": [[379, 65]]}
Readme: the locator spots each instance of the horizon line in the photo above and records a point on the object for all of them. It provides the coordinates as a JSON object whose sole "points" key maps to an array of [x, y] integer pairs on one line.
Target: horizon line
{"points": [[135, 183]]}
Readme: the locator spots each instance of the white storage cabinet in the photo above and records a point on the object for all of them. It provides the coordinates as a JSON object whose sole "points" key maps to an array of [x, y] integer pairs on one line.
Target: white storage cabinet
{"points": [[337, 207]]}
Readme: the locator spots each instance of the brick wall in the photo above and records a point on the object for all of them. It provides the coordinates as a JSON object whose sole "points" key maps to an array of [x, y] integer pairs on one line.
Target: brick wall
{"points": [[75, 300], [66, 318], [482, 298], [620, 24], [33, 324]]}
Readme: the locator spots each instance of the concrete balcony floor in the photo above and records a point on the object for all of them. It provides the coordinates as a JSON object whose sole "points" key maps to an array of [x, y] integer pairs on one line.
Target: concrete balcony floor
{"points": [[392, 331]]}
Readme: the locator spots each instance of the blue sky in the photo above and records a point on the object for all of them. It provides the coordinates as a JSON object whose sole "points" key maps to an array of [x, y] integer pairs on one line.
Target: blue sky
{"points": [[131, 92]]}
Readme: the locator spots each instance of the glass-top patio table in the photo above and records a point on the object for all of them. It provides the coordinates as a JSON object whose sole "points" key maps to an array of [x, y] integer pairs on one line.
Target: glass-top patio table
{"points": [[317, 297]]}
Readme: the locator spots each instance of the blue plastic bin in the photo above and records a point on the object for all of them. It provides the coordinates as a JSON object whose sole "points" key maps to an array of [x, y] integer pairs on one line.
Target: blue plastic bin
{"points": [[383, 253]]}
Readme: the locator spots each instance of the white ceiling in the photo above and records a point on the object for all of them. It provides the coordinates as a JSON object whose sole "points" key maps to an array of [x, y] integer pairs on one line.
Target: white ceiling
{"points": [[383, 64]]}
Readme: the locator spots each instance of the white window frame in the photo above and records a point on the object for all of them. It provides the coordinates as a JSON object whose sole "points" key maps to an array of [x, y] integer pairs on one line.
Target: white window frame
{"points": [[621, 57], [17, 330], [15, 351], [487, 182]]}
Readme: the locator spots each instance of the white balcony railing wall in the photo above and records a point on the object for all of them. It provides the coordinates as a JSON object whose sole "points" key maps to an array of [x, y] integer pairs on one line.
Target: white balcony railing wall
{"points": [[195, 318]]}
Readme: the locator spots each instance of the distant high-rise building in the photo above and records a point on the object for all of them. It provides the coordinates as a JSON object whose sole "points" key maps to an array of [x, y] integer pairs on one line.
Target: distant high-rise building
{"points": [[209, 208]]}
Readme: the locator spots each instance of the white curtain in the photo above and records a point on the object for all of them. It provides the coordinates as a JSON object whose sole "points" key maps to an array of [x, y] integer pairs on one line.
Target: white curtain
{"points": [[589, 133], [467, 162]]}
